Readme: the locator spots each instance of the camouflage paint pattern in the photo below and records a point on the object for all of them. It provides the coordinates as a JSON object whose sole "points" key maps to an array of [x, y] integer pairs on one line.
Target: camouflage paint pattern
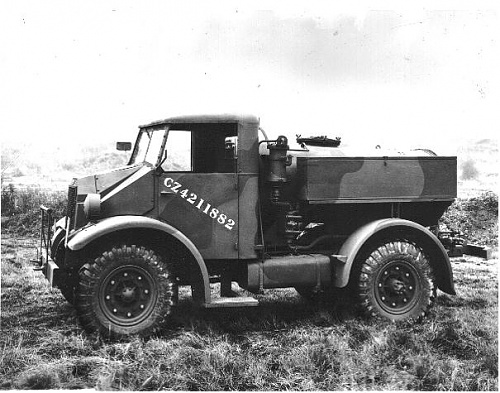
{"points": [[384, 179]]}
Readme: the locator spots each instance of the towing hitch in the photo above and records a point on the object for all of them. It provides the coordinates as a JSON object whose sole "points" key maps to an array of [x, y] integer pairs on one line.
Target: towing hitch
{"points": [[456, 245]]}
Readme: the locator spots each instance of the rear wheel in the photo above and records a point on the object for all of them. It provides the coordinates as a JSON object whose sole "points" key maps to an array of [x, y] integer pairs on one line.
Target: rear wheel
{"points": [[127, 290], [396, 282]]}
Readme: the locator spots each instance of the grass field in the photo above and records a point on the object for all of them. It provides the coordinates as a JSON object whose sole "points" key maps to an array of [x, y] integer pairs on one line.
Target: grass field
{"points": [[285, 344]]}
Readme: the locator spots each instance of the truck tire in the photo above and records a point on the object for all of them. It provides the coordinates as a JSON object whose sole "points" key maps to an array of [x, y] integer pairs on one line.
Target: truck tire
{"points": [[127, 290], [396, 282]]}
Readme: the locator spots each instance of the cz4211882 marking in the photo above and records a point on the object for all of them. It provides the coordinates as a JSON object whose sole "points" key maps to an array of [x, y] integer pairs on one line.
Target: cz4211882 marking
{"points": [[200, 204]]}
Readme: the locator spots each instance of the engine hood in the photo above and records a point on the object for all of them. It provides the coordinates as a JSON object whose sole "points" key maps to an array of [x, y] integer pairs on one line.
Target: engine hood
{"points": [[102, 183]]}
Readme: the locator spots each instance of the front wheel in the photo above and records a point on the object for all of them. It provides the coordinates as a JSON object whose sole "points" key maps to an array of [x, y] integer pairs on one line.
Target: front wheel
{"points": [[396, 282], [127, 290]]}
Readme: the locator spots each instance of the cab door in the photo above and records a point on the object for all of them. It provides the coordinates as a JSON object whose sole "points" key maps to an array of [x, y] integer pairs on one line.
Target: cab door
{"points": [[198, 189]]}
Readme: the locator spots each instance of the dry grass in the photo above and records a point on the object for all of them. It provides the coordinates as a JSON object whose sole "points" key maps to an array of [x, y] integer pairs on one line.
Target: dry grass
{"points": [[285, 344]]}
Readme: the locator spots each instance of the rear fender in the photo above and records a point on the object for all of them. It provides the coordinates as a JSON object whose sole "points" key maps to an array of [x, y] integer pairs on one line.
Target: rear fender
{"points": [[395, 227], [78, 241]]}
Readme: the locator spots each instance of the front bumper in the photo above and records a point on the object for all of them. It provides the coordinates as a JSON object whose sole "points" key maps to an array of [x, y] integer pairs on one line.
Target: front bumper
{"points": [[50, 237], [52, 273]]}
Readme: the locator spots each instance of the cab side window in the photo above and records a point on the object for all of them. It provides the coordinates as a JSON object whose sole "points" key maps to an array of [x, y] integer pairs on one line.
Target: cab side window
{"points": [[202, 148], [179, 152]]}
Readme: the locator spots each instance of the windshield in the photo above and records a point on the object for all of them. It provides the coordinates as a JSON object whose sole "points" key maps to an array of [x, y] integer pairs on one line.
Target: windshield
{"points": [[148, 146]]}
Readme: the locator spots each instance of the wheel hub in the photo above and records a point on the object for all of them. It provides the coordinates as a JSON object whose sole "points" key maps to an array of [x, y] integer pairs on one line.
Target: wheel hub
{"points": [[396, 287], [127, 295]]}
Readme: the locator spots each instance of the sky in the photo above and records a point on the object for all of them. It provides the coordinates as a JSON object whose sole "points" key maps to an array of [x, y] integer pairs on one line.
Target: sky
{"points": [[77, 72]]}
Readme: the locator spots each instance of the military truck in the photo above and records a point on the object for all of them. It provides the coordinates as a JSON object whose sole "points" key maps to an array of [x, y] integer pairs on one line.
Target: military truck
{"points": [[211, 199]]}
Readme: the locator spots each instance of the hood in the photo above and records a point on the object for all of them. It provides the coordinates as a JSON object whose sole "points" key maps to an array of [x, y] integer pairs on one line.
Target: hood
{"points": [[102, 183]]}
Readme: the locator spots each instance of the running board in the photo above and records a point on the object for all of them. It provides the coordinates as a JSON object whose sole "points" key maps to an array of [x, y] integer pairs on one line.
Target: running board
{"points": [[239, 301]]}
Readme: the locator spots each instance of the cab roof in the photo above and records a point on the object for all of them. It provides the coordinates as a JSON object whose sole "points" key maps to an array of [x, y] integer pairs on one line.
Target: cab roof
{"points": [[205, 118]]}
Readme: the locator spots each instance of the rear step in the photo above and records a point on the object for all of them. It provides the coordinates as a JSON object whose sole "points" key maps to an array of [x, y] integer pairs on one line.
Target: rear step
{"points": [[238, 301]]}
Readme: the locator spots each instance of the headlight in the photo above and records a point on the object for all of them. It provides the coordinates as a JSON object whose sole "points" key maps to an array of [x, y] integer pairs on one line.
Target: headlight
{"points": [[92, 207]]}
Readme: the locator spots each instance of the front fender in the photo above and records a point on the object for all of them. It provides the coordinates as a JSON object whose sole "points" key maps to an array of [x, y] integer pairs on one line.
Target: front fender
{"points": [[113, 224], [396, 226]]}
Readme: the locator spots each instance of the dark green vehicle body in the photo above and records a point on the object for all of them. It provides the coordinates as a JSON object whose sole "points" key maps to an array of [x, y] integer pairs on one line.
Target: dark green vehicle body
{"points": [[256, 212]]}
